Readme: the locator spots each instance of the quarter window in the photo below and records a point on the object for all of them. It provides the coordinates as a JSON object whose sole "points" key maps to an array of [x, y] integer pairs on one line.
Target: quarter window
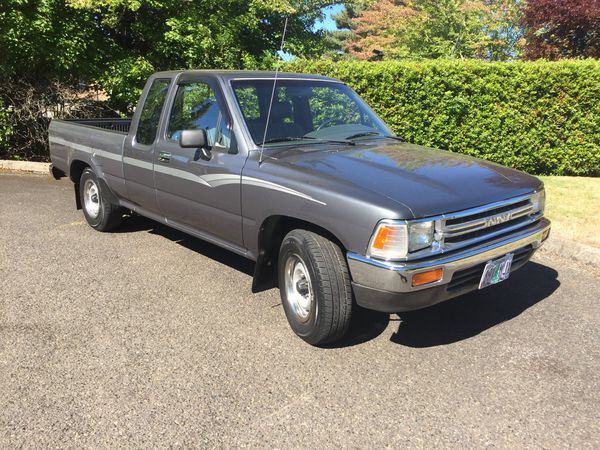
{"points": [[150, 115]]}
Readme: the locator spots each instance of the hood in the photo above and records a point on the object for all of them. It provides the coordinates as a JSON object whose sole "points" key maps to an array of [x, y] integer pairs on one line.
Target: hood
{"points": [[429, 182]]}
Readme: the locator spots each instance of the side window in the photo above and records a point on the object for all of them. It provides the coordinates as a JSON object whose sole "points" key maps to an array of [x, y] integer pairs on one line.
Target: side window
{"points": [[150, 115], [195, 107]]}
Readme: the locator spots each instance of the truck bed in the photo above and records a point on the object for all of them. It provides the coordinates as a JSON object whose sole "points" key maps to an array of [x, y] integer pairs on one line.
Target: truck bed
{"points": [[97, 142]]}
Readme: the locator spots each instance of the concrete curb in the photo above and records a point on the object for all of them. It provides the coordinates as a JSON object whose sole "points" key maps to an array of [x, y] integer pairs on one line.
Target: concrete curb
{"points": [[25, 166], [565, 248]]}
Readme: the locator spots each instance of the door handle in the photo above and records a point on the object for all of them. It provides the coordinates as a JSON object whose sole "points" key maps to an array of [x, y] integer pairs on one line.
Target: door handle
{"points": [[164, 157]]}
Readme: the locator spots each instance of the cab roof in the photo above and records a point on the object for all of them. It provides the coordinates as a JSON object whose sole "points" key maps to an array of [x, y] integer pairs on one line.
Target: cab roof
{"points": [[240, 74]]}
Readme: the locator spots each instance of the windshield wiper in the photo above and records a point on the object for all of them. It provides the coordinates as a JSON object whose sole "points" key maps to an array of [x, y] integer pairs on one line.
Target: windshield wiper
{"points": [[306, 138], [374, 133]]}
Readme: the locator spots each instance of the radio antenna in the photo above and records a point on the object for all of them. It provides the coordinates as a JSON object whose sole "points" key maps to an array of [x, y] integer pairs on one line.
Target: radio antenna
{"points": [[262, 144]]}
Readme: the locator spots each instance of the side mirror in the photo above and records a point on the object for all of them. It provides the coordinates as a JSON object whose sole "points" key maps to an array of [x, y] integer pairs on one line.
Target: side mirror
{"points": [[196, 139], [193, 138]]}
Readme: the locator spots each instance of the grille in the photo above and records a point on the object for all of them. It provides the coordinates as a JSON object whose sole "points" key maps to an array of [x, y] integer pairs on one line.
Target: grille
{"points": [[470, 227], [469, 278]]}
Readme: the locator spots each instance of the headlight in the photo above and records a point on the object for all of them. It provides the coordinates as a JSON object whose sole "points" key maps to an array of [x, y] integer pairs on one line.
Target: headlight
{"points": [[395, 239], [420, 235], [539, 201]]}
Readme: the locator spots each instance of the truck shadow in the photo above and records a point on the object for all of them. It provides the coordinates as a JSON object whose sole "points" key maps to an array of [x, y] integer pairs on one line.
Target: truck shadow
{"points": [[135, 223], [365, 325], [448, 322], [473, 313]]}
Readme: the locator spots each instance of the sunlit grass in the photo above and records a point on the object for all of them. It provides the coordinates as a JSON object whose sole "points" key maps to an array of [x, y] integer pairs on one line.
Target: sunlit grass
{"points": [[573, 206]]}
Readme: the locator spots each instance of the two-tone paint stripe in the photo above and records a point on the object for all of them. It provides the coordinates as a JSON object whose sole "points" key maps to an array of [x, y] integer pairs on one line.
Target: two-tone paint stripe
{"points": [[209, 180], [86, 149]]}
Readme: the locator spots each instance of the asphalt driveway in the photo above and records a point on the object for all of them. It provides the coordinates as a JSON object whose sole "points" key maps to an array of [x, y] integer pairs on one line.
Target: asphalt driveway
{"points": [[147, 337]]}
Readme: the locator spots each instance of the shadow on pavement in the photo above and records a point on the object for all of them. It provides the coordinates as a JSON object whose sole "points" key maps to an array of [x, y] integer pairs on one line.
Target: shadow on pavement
{"points": [[448, 322], [469, 315], [364, 326], [135, 223]]}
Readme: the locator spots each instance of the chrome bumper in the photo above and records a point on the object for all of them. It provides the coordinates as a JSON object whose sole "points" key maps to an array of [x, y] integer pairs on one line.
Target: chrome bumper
{"points": [[396, 277]]}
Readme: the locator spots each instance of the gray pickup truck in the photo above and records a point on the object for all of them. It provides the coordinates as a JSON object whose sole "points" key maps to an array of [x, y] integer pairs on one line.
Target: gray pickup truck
{"points": [[297, 173]]}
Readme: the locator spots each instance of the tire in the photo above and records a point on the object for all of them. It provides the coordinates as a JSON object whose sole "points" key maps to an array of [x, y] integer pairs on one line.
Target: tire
{"points": [[99, 213], [314, 283]]}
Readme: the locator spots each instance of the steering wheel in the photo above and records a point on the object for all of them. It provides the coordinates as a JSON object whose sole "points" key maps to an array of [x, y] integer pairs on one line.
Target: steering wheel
{"points": [[330, 122]]}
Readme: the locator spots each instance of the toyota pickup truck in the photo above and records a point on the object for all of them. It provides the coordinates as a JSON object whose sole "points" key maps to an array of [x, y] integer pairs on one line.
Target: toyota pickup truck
{"points": [[298, 174]]}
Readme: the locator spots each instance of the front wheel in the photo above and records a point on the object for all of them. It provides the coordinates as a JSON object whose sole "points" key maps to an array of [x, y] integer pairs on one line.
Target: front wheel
{"points": [[99, 213], [314, 283]]}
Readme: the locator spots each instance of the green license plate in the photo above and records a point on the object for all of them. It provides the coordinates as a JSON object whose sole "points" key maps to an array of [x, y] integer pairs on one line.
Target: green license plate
{"points": [[496, 271]]}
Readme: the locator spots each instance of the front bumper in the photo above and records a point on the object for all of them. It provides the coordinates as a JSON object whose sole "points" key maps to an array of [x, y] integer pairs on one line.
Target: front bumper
{"points": [[387, 286]]}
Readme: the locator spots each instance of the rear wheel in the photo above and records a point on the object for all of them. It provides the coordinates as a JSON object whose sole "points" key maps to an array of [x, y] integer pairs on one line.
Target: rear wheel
{"points": [[315, 287], [99, 213]]}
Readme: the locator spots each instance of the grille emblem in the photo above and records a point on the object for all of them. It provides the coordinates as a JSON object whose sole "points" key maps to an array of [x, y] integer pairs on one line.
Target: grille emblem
{"points": [[497, 220]]}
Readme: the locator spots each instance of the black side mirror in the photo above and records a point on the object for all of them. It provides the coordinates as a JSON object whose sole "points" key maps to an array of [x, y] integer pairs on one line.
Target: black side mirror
{"points": [[196, 139]]}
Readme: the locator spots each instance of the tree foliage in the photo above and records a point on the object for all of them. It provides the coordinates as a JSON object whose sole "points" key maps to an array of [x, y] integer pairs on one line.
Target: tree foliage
{"points": [[42, 40], [562, 29], [146, 36], [485, 29], [115, 44]]}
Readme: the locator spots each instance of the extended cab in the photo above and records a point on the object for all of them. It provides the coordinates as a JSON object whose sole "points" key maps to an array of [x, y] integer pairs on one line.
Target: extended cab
{"points": [[297, 173]]}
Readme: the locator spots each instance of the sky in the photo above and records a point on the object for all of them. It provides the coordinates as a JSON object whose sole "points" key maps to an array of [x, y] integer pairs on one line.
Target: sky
{"points": [[329, 23]]}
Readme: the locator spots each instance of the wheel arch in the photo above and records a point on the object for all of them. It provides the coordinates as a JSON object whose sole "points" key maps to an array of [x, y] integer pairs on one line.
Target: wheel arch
{"points": [[76, 169], [271, 233]]}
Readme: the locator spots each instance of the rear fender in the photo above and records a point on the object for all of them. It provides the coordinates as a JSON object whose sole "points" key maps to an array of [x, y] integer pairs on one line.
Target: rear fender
{"points": [[76, 169]]}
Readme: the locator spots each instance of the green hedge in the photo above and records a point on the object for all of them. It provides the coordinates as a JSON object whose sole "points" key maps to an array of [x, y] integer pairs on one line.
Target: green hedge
{"points": [[541, 117]]}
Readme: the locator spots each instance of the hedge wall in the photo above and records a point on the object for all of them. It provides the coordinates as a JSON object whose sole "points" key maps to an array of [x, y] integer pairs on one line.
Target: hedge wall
{"points": [[541, 117]]}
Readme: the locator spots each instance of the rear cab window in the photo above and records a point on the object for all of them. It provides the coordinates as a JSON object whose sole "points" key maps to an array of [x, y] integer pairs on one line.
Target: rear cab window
{"points": [[151, 110]]}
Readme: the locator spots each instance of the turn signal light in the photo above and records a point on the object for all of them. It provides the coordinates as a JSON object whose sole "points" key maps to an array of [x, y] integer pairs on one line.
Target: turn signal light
{"points": [[431, 276], [382, 237]]}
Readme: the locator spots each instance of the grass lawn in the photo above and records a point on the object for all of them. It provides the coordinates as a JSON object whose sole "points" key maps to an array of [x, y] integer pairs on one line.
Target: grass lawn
{"points": [[573, 206]]}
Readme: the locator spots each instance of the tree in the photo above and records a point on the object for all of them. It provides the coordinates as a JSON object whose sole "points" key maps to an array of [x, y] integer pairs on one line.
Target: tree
{"points": [[562, 29], [385, 26], [146, 36], [486, 29], [502, 38], [115, 44], [42, 40]]}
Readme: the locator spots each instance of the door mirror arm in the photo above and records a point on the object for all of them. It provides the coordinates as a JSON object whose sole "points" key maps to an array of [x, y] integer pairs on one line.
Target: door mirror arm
{"points": [[205, 153]]}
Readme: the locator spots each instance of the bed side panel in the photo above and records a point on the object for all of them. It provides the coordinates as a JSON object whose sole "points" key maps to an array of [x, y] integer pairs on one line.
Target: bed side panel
{"points": [[101, 149]]}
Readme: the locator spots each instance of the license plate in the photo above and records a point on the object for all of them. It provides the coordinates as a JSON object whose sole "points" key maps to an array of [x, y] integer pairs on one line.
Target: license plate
{"points": [[496, 271]]}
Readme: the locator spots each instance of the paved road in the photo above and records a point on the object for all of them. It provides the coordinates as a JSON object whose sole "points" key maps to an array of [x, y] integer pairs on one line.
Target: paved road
{"points": [[147, 337]]}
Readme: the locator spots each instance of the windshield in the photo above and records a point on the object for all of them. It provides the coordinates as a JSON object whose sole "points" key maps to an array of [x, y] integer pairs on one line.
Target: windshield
{"points": [[305, 111]]}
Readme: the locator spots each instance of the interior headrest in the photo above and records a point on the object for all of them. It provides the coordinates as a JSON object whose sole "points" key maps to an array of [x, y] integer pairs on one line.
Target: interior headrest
{"points": [[281, 110]]}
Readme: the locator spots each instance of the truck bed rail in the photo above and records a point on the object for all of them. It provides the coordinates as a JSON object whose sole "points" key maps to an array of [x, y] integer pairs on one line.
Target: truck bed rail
{"points": [[120, 125]]}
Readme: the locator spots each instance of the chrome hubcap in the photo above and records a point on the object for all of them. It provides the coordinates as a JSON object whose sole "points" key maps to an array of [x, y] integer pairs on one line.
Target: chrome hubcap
{"points": [[91, 198], [298, 288]]}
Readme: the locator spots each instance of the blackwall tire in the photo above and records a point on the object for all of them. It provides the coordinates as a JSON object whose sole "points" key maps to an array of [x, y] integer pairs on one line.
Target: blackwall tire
{"points": [[314, 282], [99, 213]]}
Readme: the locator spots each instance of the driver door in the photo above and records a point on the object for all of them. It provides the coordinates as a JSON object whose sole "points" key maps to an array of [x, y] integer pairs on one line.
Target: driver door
{"points": [[193, 191]]}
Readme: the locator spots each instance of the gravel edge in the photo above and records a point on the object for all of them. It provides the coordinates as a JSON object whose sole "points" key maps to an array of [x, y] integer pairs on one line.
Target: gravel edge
{"points": [[24, 166], [568, 249]]}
